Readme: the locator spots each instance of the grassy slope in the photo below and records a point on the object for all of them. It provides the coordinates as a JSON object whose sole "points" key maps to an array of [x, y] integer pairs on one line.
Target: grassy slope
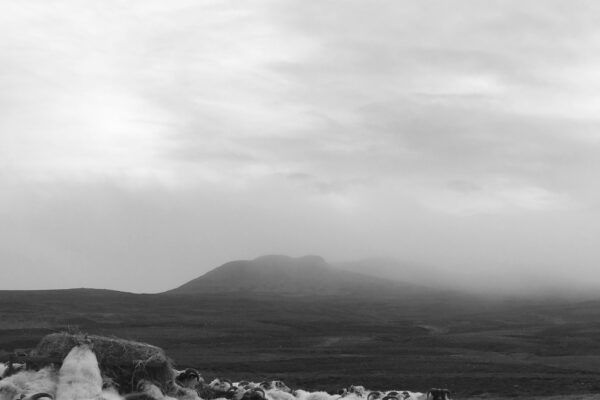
{"points": [[412, 343]]}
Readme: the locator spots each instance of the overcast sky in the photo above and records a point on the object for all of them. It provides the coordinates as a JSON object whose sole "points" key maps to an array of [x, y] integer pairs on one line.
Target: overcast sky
{"points": [[143, 143]]}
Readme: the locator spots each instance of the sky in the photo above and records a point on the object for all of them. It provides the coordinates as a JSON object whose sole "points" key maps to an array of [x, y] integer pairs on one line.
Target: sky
{"points": [[143, 143]]}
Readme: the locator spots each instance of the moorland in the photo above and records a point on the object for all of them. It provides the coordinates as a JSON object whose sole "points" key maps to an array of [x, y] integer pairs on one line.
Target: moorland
{"points": [[405, 337]]}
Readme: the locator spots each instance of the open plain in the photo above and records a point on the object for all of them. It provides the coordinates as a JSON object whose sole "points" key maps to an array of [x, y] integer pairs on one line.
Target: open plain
{"points": [[475, 347]]}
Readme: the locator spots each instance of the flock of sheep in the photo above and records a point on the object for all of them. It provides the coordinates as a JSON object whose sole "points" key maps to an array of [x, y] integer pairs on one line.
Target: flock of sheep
{"points": [[79, 378]]}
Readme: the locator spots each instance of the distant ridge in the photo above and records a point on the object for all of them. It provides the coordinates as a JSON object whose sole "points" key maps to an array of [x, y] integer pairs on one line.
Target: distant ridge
{"points": [[279, 274]]}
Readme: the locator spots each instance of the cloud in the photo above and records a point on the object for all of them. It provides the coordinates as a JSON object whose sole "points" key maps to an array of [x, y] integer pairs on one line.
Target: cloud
{"points": [[190, 133]]}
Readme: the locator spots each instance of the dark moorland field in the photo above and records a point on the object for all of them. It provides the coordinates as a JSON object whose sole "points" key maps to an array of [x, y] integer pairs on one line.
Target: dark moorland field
{"points": [[469, 345]]}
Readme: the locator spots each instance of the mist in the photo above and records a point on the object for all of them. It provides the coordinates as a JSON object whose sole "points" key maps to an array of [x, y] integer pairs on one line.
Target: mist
{"points": [[143, 144]]}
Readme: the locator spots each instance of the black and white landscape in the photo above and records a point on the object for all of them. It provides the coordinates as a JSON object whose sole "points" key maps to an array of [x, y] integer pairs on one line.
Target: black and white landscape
{"points": [[395, 194]]}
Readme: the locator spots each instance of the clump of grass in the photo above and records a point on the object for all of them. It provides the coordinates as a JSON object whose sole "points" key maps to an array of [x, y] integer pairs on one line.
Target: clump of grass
{"points": [[124, 362]]}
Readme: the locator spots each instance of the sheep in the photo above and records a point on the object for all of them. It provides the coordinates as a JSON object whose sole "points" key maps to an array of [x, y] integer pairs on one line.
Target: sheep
{"points": [[277, 394], [280, 385], [28, 384], [149, 391], [399, 395], [254, 394], [347, 395], [391, 395], [79, 376], [184, 393], [353, 392], [438, 394], [357, 390], [9, 391], [407, 395], [109, 384], [374, 395], [300, 394], [190, 378], [266, 385], [245, 384], [221, 385], [303, 395], [39, 396], [146, 390], [10, 368], [218, 388], [240, 388], [277, 390], [237, 393], [110, 394], [138, 396]]}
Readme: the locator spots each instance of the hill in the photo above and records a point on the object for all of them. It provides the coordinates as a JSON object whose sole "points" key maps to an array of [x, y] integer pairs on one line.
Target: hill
{"points": [[278, 274]]}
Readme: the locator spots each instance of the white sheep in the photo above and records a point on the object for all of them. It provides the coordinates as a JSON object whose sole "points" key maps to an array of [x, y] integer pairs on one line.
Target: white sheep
{"points": [[351, 396], [357, 390], [150, 389], [238, 392], [257, 393], [189, 378], [185, 393], [300, 394], [110, 394], [304, 395], [438, 394], [252, 385], [29, 384], [276, 384], [408, 395], [79, 376], [276, 394], [401, 395], [10, 368], [221, 385]]}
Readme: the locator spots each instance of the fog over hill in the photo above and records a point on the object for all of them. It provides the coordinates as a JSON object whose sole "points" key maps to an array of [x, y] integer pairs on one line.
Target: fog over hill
{"points": [[287, 275], [492, 283], [313, 275]]}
